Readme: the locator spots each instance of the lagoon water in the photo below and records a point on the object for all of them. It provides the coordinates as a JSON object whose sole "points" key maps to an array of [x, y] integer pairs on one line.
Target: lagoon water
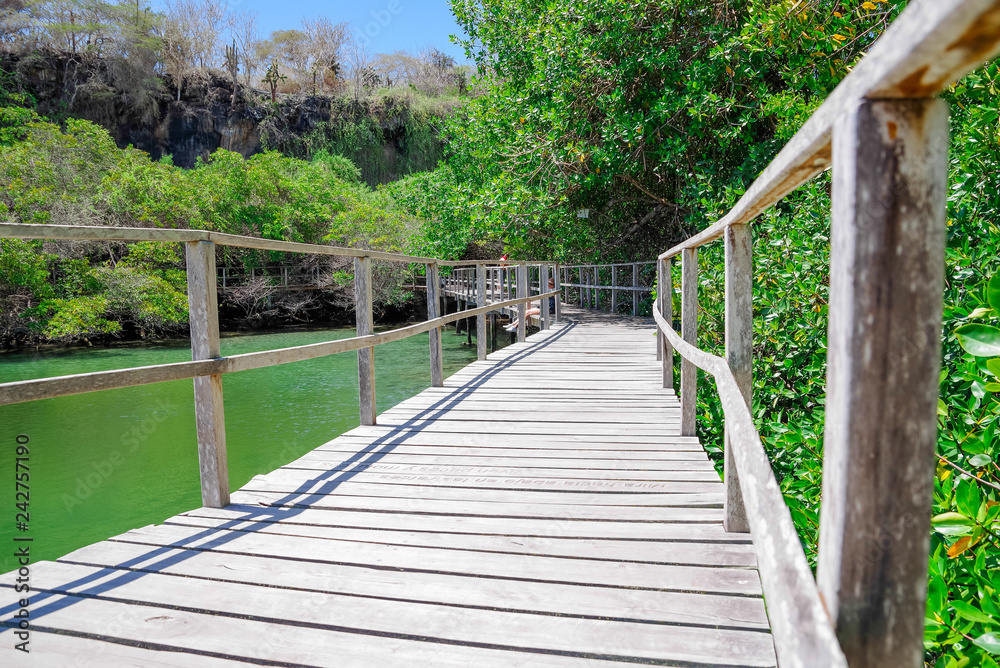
{"points": [[106, 462]]}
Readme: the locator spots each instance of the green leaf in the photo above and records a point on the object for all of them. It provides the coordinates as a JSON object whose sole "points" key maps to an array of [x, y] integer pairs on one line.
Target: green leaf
{"points": [[980, 460], [979, 340], [952, 524], [942, 407], [972, 614], [993, 387], [993, 292], [990, 642], [994, 366], [980, 312]]}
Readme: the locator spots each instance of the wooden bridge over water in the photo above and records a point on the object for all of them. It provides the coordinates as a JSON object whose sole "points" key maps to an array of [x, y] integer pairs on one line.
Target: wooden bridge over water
{"points": [[550, 505]]}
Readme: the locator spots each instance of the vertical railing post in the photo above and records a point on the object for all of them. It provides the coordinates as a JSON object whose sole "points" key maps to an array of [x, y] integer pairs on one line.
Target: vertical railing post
{"points": [[635, 289], [614, 289], [890, 173], [203, 309], [366, 325], [689, 332], [481, 318], [522, 291], [739, 355], [664, 293], [433, 304], [580, 281], [543, 287], [557, 273]]}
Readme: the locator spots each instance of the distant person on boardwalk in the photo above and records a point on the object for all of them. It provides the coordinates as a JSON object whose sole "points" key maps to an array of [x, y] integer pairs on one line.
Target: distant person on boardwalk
{"points": [[536, 310]]}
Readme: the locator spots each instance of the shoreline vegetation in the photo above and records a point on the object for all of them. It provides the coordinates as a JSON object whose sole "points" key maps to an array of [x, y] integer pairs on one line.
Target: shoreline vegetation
{"points": [[586, 131]]}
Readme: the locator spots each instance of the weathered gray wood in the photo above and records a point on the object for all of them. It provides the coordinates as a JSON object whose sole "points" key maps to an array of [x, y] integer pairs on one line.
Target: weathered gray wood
{"points": [[665, 291], [614, 289], [739, 353], [481, 318], [887, 277], [203, 306], [803, 635], [557, 274], [689, 331], [433, 300], [543, 286], [522, 292], [635, 293], [365, 326]]}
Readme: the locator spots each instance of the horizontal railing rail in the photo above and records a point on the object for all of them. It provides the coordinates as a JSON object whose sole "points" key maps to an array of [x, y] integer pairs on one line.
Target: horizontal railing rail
{"points": [[589, 284], [208, 364], [885, 136]]}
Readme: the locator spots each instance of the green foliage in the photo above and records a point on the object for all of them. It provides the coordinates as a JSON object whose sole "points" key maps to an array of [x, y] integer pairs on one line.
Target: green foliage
{"points": [[76, 175]]}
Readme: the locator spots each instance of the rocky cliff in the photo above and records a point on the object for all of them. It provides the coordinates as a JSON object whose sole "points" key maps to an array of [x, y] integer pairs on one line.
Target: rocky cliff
{"points": [[142, 110]]}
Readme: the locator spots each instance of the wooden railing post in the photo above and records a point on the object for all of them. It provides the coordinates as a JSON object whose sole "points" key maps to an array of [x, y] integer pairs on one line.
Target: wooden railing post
{"points": [[689, 332], [433, 299], [365, 323], [664, 295], [739, 355], [886, 292], [522, 291], [481, 318], [580, 281], [614, 289], [543, 287], [557, 273], [203, 305], [635, 289]]}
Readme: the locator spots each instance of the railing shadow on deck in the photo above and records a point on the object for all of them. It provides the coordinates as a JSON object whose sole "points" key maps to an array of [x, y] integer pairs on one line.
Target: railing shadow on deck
{"points": [[283, 508]]}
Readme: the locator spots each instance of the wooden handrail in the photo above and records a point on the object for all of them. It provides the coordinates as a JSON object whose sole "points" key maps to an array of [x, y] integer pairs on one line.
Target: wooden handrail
{"points": [[106, 233], [929, 47], [799, 622], [59, 386], [886, 139]]}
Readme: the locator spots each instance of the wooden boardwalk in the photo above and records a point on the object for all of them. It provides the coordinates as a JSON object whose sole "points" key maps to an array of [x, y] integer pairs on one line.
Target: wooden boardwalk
{"points": [[539, 510]]}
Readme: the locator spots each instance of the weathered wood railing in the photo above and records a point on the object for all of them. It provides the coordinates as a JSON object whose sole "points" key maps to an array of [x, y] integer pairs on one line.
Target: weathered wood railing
{"points": [[886, 137], [208, 364], [588, 282]]}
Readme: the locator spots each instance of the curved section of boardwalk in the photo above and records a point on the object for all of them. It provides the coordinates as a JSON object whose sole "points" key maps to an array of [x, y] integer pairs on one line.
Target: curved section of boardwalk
{"points": [[539, 510]]}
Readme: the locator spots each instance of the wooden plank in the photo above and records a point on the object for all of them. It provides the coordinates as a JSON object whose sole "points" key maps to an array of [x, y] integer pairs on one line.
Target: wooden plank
{"points": [[416, 620], [203, 308], [689, 330], [676, 532], [326, 458], [665, 293], [365, 326], [690, 554], [886, 291], [550, 511], [739, 353], [737, 612], [733, 581]]}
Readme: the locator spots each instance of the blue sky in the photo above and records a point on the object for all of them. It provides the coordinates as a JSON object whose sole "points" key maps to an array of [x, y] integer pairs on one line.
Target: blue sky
{"points": [[390, 25]]}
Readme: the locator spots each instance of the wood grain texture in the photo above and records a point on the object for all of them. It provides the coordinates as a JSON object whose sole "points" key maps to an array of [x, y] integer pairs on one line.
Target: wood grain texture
{"points": [[739, 353], [481, 317], [689, 331], [665, 291], [365, 326], [525, 538], [884, 357], [522, 308], [803, 634], [203, 309], [433, 304]]}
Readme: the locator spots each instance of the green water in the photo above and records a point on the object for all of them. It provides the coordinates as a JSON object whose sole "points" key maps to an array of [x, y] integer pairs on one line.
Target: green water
{"points": [[106, 462]]}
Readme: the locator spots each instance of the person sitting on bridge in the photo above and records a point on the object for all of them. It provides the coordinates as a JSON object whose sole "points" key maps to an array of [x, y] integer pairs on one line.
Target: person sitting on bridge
{"points": [[536, 310]]}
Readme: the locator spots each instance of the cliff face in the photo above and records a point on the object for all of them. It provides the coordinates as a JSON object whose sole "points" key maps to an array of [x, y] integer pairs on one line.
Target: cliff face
{"points": [[143, 111]]}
